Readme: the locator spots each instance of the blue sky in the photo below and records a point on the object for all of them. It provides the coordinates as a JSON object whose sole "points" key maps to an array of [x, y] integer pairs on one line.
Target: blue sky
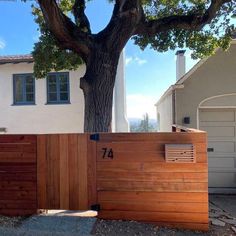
{"points": [[148, 73]]}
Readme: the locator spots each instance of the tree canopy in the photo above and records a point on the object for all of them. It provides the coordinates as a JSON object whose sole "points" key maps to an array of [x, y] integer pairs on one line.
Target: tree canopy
{"points": [[163, 25], [66, 40]]}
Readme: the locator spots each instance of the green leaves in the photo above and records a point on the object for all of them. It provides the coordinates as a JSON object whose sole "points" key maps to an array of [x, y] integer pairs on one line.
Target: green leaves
{"points": [[203, 42], [49, 57], [47, 53]]}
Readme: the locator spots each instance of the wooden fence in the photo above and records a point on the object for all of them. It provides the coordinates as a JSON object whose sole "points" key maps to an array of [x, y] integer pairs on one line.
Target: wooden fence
{"points": [[124, 176], [136, 183], [18, 175]]}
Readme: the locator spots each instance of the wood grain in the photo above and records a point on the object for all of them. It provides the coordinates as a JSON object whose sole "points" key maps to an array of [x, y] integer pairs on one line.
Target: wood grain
{"points": [[138, 184], [92, 172], [138, 196], [154, 216], [62, 165], [18, 174]]}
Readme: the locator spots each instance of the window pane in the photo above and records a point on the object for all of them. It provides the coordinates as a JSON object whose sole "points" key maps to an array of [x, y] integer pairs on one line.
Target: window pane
{"points": [[29, 79], [63, 87], [52, 79], [52, 97], [30, 97], [63, 78], [64, 96], [52, 88], [29, 88], [18, 89]]}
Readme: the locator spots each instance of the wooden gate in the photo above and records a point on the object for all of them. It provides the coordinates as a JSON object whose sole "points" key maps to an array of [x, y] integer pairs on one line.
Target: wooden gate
{"points": [[18, 174], [64, 172], [134, 181]]}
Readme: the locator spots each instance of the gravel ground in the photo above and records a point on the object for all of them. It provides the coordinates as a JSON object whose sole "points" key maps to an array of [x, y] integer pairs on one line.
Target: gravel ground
{"points": [[132, 228], [11, 222], [39, 225]]}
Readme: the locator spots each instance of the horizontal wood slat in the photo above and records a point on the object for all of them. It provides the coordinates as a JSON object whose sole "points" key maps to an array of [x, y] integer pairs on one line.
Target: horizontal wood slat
{"points": [[25, 139], [175, 177], [155, 216], [18, 195], [18, 178], [138, 196], [20, 204], [136, 182], [17, 185], [17, 167], [155, 206], [18, 212], [16, 156], [110, 185], [156, 137], [152, 167]]}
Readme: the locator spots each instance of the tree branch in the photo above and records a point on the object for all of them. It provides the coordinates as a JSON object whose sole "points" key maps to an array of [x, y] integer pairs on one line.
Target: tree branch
{"points": [[186, 22], [68, 35], [80, 17], [126, 16]]}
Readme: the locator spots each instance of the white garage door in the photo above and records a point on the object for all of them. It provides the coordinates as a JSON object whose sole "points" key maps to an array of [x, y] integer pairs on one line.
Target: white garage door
{"points": [[220, 125]]}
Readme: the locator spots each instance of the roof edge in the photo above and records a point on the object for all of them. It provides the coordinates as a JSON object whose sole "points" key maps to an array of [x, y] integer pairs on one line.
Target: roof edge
{"points": [[195, 67], [168, 91], [16, 59], [186, 76]]}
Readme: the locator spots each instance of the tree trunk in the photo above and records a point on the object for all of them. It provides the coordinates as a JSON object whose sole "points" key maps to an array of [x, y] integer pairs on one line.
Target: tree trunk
{"points": [[97, 85]]}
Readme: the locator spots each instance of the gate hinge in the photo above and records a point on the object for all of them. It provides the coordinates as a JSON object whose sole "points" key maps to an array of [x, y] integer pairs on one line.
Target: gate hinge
{"points": [[96, 207], [94, 137]]}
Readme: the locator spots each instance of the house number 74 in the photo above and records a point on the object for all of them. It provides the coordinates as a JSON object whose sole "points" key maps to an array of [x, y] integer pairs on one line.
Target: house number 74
{"points": [[107, 153]]}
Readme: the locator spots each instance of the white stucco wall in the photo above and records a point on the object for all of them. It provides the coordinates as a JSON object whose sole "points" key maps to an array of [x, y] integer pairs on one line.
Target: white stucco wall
{"points": [[40, 118], [164, 114]]}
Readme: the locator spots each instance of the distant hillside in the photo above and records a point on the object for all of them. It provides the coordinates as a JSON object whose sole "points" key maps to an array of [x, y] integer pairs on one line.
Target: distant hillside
{"points": [[135, 122]]}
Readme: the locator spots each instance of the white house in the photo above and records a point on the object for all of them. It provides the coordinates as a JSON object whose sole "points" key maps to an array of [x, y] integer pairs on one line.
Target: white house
{"points": [[205, 98], [51, 105]]}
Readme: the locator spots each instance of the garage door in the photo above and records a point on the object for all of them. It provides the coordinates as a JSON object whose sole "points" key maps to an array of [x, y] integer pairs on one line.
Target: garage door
{"points": [[220, 125]]}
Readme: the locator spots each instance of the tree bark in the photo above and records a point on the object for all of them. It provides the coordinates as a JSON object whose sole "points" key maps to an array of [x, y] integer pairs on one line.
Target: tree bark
{"points": [[97, 85]]}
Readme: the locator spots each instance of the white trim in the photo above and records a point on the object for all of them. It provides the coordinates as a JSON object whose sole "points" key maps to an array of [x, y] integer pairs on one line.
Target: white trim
{"points": [[168, 92], [217, 96], [212, 107]]}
